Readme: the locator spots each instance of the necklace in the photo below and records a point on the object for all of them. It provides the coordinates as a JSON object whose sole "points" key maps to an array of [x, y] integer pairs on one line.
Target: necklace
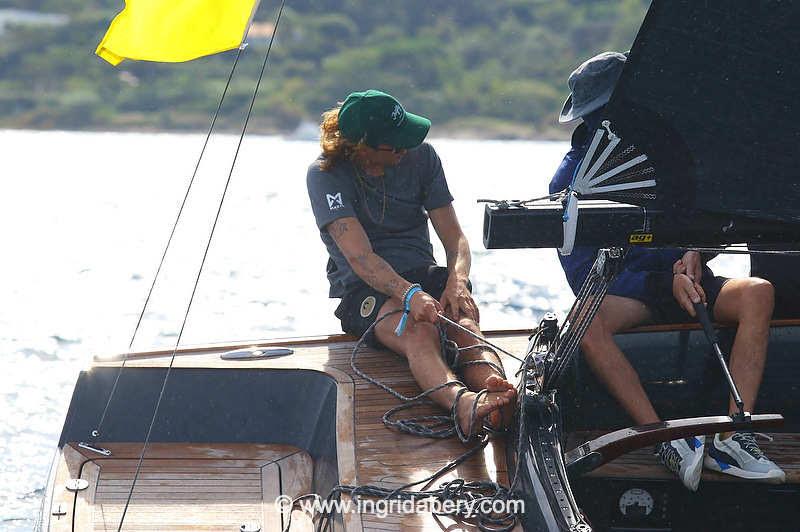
{"points": [[364, 186]]}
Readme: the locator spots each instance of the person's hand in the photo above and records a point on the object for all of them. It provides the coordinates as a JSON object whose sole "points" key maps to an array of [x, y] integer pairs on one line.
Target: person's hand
{"points": [[457, 301], [687, 293], [424, 307], [691, 264]]}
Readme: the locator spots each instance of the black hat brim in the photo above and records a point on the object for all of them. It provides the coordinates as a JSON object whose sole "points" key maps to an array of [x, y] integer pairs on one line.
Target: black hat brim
{"points": [[570, 113], [410, 134]]}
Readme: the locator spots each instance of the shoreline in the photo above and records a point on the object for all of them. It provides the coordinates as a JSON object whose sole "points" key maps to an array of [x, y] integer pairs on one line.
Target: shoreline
{"points": [[301, 133]]}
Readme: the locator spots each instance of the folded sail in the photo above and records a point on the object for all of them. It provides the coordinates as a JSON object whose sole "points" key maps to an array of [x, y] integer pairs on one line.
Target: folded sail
{"points": [[177, 30], [709, 93]]}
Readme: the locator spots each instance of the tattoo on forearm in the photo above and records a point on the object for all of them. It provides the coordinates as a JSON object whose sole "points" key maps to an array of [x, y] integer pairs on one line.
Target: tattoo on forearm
{"points": [[374, 271], [392, 285], [338, 228], [362, 259]]}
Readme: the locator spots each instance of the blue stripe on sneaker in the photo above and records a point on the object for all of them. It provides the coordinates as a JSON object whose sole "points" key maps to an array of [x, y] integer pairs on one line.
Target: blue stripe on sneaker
{"points": [[722, 465], [722, 456], [696, 442]]}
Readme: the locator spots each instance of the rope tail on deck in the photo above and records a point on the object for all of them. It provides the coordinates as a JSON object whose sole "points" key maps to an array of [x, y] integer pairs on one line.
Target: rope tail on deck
{"points": [[466, 497]]}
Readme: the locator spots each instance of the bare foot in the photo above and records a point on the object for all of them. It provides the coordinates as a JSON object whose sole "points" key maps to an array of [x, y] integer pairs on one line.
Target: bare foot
{"points": [[489, 405], [503, 418]]}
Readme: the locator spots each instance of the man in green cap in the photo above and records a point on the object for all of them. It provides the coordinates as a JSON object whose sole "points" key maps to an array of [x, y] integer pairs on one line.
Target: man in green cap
{"points": [[372, 191]]}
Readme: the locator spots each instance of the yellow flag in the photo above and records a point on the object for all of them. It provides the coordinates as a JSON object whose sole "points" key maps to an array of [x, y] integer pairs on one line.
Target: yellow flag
{"points": [[175, 30]]}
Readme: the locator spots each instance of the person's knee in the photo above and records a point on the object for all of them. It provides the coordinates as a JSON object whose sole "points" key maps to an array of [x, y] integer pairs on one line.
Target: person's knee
{"points": [[461, 337], [468, 323], [758, 296], [596, 336], [421, 338]]}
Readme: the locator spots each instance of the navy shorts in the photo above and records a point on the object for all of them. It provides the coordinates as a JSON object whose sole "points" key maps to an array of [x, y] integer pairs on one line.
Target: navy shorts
{"points": [[360, 305], [670, 310]]}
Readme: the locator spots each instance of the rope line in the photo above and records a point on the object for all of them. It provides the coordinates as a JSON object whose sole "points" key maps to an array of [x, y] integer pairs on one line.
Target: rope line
{"points": [[466, 495], [98, 430], [506, 204], [737, 250], [546, 359], [200, 270], [417, 426], [485, 343]]}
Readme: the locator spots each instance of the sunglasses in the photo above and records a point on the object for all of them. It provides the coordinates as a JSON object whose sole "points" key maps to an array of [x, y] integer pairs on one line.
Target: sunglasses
{"points": [[393, 150]]}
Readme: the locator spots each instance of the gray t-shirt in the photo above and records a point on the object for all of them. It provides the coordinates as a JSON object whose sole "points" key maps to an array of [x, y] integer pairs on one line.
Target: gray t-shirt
{"points": [[392, 208]]}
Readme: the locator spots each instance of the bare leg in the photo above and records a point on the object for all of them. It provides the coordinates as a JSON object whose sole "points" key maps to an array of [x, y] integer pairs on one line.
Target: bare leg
{"points": [[608, 362], [747, 302], [420, 345], [479, 376], [475, 375]]}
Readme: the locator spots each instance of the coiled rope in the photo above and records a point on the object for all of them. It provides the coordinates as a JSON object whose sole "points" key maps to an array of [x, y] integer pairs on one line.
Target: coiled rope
{"points": [[467, 499]]}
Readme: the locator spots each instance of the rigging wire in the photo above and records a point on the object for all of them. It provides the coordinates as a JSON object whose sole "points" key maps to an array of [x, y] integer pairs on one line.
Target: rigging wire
{"points": [[737, 250], [98, 429], [506, 204], [37, 526], [431, 426], [477, 337], [465, 496], [202, 263]]}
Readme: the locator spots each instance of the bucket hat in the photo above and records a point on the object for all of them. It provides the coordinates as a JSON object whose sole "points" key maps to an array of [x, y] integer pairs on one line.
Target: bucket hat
{"points": [[591, 85]]}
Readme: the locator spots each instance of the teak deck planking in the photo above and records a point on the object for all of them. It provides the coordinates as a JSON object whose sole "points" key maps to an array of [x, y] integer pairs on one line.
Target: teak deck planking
{"points": [[226, 485]]}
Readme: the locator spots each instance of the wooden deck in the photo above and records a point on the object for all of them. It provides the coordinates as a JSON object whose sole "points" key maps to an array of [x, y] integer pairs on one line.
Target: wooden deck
{"points": [[185, 486], [214, 487], [784, 450]]}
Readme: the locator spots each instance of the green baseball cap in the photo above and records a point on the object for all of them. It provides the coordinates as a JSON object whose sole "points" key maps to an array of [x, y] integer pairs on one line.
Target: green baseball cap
{"points": [[378, 118]]}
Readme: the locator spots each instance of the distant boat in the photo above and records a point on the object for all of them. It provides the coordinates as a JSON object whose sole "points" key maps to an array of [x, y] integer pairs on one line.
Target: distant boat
{"points": [[24, 17], [305, 130]]}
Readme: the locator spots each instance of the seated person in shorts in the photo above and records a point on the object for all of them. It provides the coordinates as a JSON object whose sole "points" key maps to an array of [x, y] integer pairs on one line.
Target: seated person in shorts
{"points": [[661, 286], [372, 191], [783, 271]]}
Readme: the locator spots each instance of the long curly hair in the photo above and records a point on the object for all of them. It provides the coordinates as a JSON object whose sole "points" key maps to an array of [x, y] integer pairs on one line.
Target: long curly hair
{"points": [[335, 147]]}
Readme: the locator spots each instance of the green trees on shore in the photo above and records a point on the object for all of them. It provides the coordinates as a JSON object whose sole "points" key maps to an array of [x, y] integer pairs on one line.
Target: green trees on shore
{"points": [[487, 69]]}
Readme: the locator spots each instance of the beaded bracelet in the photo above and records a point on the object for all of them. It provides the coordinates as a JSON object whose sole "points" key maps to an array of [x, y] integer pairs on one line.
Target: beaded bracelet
{"points": [[407, 295]]}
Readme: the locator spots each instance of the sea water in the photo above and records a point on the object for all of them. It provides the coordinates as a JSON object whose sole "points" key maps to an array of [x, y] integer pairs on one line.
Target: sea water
{"points": [[85, 218]]}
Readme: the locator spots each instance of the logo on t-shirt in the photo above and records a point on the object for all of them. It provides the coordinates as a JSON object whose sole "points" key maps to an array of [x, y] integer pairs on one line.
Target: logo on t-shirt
{"points": [[335, 201], [367, 306]]}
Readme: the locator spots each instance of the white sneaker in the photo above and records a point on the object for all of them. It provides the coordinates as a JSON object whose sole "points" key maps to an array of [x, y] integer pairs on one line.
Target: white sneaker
{"points": [[740, 456], [684, 457]]}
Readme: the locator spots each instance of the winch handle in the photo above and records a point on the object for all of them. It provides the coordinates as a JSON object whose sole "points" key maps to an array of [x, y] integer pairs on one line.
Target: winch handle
{"points": [[702, 316], [711, 334]]}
